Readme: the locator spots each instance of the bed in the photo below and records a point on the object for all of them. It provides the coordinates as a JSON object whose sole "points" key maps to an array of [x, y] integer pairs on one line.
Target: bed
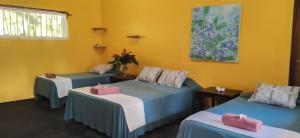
{"points": [[275, 116], [162, 105], [47, 89]]}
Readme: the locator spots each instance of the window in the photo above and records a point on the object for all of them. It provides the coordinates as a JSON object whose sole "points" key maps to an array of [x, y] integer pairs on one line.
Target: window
{"points": [[32, 24]]}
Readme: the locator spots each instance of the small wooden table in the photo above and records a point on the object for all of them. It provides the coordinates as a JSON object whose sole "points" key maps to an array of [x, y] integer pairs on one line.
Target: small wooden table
{"points": [[122, 77], [211, 92]]}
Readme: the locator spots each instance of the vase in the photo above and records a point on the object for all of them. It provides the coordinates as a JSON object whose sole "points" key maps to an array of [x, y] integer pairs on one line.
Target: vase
{"points": [[124, 69]]}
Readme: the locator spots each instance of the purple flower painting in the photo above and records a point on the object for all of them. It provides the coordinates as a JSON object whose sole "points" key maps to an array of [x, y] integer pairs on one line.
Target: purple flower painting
{"points": [[215, 33]]}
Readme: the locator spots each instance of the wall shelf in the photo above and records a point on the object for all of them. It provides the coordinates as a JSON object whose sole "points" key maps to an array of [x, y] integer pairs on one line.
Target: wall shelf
{"points": [[133, 36], [99, 29], [99, 46]]}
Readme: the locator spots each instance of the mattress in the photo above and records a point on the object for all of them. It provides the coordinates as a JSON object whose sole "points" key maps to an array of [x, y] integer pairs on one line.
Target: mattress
{"points": [[274, 116], [161, 104], [46, 88]]}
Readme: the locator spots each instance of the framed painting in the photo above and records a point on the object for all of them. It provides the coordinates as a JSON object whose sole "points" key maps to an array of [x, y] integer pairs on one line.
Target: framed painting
{"points": [[215, 33]]}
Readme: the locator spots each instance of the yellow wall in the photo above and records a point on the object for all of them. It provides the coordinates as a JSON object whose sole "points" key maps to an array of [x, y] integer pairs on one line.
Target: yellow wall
{"points": [[165, 26], [22, 60]]}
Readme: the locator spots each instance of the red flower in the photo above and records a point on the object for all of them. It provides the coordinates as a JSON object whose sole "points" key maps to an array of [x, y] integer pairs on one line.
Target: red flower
{"points": [[115, 56], [124, 52]]}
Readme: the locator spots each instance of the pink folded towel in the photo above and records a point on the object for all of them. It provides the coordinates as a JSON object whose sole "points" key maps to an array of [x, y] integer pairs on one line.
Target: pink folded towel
{"points": [[50, 75], [104, 90], [241, 121], [94, 90]]}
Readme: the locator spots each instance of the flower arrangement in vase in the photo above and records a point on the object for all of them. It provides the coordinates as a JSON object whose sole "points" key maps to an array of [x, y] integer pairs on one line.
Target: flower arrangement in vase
{"points": [[120, 62]]}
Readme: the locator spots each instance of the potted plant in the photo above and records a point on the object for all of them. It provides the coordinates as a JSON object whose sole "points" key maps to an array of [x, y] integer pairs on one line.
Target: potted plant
{"points": [[120, 62]]}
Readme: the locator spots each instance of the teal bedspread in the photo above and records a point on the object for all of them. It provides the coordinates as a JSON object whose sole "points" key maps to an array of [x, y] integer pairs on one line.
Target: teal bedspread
{"points": [[162, 105], [274, 116], [46, 88]]}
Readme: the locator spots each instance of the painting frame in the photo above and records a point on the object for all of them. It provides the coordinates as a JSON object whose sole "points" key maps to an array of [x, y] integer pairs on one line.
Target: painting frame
{"points": [[206, 45]]}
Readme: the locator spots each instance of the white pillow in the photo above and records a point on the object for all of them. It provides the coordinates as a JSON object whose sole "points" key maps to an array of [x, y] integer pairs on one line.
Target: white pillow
{"points": [[172, 78], [274, 94], [102, 68], [149, 74]]}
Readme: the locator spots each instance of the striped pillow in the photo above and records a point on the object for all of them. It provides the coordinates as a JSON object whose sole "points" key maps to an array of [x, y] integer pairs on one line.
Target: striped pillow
{"points": [[101, 68], [172, 78], [278, 95], [149, 74]]}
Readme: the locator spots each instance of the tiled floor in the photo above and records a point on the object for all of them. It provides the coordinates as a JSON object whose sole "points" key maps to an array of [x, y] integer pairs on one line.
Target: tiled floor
{"points": [[29, 119]]}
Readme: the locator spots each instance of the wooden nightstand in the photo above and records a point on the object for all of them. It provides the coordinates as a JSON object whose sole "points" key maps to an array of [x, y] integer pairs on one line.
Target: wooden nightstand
{"points": [[217, 96], [121, 77]]}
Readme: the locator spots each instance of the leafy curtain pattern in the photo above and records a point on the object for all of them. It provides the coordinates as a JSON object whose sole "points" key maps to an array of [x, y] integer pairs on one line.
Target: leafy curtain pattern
{"points": [[32, 24]]}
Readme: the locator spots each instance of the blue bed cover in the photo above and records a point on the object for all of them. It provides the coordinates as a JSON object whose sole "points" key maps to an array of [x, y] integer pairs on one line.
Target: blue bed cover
{"points": [[46, 88], [162, 104], [274, 116]]}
